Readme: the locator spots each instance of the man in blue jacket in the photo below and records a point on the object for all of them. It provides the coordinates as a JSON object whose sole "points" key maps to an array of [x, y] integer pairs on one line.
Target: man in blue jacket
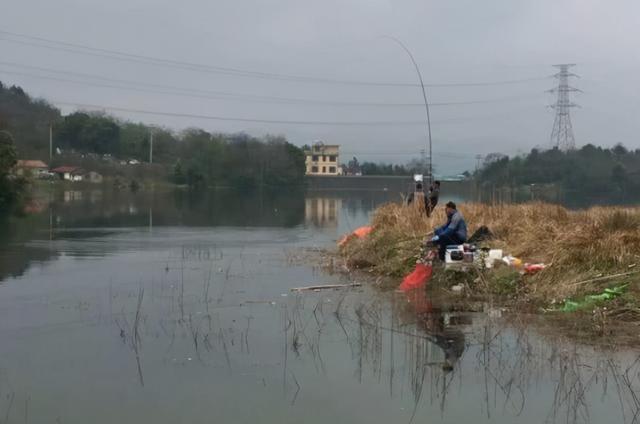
{"points": [[454, 232]]}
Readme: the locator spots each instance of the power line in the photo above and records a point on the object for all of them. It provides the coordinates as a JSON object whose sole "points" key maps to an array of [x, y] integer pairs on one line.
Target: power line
{"points": [[416, 153], [255, 120], [219, 95], [41, 42], [238, 119]]}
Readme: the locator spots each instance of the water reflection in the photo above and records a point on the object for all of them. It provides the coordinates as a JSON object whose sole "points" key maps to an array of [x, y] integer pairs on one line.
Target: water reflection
{"points": [[177, 208], [16, 256], [322, 211], [471, 365], [426, 359], [443, 326], [195, 317], [61, 215]]}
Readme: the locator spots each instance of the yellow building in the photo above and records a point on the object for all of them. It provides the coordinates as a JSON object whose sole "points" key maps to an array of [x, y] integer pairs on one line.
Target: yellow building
{"points": [[323, 159]]}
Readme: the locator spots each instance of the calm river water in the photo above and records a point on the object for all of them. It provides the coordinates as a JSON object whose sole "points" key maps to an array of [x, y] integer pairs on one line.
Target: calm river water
{"points": [[176, 308]]}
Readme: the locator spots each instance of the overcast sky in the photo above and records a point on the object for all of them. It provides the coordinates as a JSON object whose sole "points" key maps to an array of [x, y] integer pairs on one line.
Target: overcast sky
{"points": [[510, 43]]}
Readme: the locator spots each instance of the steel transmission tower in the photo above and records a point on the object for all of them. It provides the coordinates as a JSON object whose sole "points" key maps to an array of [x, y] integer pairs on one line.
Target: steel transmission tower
{"points": [[562, 134]]}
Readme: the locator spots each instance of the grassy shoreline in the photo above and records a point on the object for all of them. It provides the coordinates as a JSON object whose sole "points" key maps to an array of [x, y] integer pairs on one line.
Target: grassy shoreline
{"points": [[586, 252]]}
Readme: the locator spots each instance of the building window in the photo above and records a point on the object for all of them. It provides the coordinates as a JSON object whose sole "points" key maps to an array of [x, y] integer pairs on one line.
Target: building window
{"points": [[314, 158], [332, 158], [314, 169], [332, 169], [324, 169], [324, 158]]}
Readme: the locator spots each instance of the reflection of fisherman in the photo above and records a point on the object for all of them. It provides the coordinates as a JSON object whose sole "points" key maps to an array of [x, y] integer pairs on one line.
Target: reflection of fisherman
{"points": [[450, 339], [431, 320], [452, 343]]}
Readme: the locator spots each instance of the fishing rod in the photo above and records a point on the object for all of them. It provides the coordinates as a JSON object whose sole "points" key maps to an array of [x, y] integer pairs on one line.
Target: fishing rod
{"points": [[424, 96]]}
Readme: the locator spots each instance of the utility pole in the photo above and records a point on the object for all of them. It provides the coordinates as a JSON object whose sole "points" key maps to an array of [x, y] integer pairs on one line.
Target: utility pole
{"points": [[50, 143], [150, 147], [562, 134], [478, 159]]}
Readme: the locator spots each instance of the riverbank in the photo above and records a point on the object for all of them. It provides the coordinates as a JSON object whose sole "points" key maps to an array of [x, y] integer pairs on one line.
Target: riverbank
{"points": [[585, 252]]}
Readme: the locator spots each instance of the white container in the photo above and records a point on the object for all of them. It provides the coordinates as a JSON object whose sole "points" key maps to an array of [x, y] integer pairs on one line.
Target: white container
{"points": [[494, 255], [447, 254]]}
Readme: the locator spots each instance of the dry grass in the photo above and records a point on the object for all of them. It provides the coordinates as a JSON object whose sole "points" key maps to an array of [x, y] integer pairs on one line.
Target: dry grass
{"points": [[578, 245]]}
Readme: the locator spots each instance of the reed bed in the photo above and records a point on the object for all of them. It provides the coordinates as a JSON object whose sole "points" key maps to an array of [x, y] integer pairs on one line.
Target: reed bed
{"points": [[583, 249]]}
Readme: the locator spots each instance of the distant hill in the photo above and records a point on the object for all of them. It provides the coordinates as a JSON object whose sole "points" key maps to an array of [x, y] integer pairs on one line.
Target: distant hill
{"points": [[193, 156], [27, 119]]}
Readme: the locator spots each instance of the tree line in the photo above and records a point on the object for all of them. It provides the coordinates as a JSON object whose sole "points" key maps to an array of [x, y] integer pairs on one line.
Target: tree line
{"points": [[194, 156], [11, 187], [590, 169], [414, 166]]}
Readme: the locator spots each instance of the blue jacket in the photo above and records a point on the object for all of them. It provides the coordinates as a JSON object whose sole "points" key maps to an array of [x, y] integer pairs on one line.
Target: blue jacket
{"points": [[455, 226]]}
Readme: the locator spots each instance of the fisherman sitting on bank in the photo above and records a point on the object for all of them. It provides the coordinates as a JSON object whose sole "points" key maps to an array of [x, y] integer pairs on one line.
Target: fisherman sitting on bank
{"points": [[454, 232]]}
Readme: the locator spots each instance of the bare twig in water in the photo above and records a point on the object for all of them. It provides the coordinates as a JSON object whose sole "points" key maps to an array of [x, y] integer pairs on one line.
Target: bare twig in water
{"points": [[8, 413], [136, 323], [207, 284], [287, 324], [194, 330], [26, 409], [295, 380], [337, 314], [326, 286], [136, 339], [223, 339], [246, 335], [182, 289]]}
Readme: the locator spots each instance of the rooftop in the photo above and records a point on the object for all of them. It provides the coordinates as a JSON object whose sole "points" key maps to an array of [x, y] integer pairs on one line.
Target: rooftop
{"points": [[31, 164], [323, 147], [65, 169]]}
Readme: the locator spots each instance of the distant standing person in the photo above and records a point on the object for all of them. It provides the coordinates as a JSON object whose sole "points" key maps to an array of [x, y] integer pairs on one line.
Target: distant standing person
{"points": [[454, 232], [432, 199], [411, 197]]}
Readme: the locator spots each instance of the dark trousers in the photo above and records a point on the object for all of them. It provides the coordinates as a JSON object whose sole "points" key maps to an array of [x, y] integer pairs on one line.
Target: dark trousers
{"points": [[430, 204], [445, 241]]}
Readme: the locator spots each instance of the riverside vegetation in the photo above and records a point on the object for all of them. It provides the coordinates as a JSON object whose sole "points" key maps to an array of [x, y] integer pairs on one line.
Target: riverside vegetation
{"points": [[194, 157], [585, 251], [596, 172], [11, 187]]}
